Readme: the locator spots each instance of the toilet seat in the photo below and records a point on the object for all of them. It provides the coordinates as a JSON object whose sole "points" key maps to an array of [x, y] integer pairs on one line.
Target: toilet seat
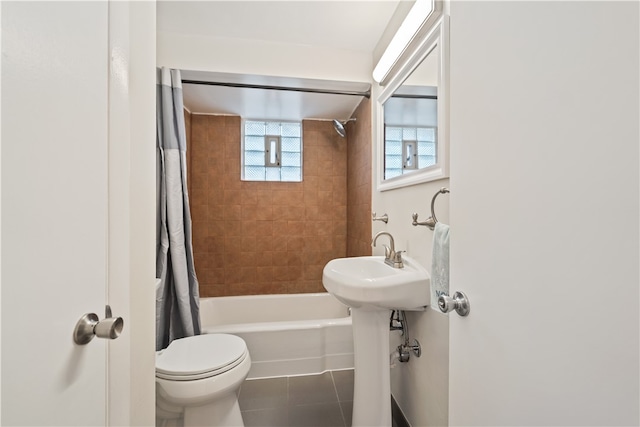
{"points": [[200, 356]]}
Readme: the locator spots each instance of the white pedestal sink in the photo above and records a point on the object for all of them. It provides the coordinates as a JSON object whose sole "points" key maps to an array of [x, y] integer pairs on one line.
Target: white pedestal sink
{"points": [[371, 288]]}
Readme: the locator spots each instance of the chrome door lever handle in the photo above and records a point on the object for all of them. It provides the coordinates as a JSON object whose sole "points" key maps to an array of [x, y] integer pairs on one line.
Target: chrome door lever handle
{"points": [[89, 326], [459, 302]]}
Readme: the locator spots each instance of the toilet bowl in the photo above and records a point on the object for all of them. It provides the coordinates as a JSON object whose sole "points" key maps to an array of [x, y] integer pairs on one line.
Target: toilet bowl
{"points": [[198, 379]]}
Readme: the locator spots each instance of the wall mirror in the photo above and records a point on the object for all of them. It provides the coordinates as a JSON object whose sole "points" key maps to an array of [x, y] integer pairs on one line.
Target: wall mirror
{"points": [[412, 137]]}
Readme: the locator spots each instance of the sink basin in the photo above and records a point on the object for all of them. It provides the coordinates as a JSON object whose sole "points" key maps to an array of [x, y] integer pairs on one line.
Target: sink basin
{"points": [[367, 282]]}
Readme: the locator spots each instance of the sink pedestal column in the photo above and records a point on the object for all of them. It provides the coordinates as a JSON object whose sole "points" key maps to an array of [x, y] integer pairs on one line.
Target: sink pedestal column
{"points": [[372, 389]]}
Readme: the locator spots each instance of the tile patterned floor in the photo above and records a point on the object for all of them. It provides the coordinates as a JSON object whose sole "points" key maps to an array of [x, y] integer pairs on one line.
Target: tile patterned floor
{"points": [[324, 400]]}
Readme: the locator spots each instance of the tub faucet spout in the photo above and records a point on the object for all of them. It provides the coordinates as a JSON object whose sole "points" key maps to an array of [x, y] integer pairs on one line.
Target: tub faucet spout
{"points": [[391, 256]]}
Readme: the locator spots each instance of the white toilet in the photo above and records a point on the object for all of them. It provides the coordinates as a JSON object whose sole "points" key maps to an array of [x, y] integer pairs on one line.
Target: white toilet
{"points": [[198, 379]]}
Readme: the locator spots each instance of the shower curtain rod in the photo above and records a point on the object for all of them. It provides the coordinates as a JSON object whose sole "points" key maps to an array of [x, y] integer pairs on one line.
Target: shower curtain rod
{"points": [[414, 96], [366, 94]]}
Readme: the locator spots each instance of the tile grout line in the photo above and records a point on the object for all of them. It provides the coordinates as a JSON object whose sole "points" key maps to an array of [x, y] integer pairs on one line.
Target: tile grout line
{"points": [[288, 407], [335, 388]]}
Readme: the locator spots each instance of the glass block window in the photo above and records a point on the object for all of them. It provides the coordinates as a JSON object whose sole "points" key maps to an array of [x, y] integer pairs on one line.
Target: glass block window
{"points": [[272, 151], [408, 149]]}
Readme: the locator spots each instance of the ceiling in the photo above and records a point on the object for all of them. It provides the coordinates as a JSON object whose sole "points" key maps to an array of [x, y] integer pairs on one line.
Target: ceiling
{"points": [[351, 25], [354, 25]]}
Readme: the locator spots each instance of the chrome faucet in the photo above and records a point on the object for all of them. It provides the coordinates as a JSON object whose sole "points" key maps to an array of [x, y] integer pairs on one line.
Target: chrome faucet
{"points": [[391, 257]]}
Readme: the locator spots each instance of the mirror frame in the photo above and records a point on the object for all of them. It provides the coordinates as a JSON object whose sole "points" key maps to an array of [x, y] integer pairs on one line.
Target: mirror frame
{"points": [[419, 48]]}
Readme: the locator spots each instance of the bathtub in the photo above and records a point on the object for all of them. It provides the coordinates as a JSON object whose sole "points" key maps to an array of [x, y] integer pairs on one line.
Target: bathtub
{"points": [[287, 335]]}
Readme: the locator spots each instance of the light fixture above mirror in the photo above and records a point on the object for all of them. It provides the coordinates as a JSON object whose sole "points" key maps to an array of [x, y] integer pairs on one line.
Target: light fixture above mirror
{"points": [[422, 13]]}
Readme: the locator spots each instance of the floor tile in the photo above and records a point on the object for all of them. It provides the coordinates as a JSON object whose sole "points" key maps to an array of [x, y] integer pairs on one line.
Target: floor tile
{"points": [[312, 389], [344, 384], [263, 394], [324, 400], [274, 417], [318, 415]]}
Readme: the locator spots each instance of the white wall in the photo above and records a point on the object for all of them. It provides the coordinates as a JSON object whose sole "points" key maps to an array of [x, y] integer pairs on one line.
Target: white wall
{"points": [[132, 204], [420, 386], [143, 203], [228, 55]]}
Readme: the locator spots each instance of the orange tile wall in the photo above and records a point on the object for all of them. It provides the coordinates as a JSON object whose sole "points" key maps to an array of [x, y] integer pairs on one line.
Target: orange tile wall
{"points": [[187, 125], [359, 182], [265, 237]]}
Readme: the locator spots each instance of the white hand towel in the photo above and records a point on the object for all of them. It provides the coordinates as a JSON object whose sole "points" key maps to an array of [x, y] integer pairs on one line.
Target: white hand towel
{"points": [[439, 264]]}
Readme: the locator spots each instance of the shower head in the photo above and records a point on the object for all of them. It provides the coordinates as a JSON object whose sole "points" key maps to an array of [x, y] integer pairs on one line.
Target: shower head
{"points": [[339, 127]]}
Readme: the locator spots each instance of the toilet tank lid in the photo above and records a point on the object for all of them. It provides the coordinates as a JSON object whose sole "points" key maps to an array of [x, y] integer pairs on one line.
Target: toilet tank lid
{"points": [[200, 354]]}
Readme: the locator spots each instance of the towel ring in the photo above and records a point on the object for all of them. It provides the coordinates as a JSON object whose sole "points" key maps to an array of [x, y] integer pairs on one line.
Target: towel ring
{"points": [[433, 202], [432, 220]]}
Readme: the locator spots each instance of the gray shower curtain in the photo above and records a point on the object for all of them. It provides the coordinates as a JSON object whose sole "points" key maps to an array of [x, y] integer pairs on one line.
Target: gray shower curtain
{"points": [[177, 300]]}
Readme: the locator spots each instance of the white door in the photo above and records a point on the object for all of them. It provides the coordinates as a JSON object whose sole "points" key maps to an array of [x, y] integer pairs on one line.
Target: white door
{"points": [[67, 220], [544, 213], [54, 210]]}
